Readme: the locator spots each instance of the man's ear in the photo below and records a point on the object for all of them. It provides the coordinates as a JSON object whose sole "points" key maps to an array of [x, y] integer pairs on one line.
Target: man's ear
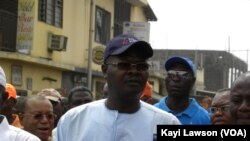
{"points": [[104, 70]]}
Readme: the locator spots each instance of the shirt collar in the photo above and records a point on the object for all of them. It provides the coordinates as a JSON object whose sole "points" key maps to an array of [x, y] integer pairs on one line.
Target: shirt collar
{"points": [[189, 111]]}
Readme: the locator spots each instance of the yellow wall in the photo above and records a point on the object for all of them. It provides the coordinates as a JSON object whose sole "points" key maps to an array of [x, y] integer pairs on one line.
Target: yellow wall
{"points": [[76, 20], [75, 27], [138, 14], [107, 5], [40, 35], [36, 72]]}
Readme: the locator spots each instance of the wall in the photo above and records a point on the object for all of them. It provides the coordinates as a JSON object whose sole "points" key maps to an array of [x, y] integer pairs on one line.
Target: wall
{"points": [[36, 72]]}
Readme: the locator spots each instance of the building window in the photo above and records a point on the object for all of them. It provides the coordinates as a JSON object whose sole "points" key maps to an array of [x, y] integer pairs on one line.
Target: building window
{"points": [[122, 14], [102, 25], [51, 12], [16, 75]]}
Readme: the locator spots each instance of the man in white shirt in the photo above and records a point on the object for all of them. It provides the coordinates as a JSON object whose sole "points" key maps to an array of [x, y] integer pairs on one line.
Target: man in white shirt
{"points": [[122, 116], [9, 132]]}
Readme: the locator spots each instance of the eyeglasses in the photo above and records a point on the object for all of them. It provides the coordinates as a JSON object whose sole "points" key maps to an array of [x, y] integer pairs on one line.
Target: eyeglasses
{"points": [[127, 66], [40, 116], [223, 109], [181, 74]]}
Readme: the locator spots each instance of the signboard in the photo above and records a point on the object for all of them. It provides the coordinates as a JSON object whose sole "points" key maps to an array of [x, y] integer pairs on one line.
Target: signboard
{"points": [[138, 29], [25, 26], [98, 53]]}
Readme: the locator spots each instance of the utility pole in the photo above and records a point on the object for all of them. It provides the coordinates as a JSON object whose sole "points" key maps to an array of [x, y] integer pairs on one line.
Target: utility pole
{"points": [[247, 60], [91, 34], [195, 67]]}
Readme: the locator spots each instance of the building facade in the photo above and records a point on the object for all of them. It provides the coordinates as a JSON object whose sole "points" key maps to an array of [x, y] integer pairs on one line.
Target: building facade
{"points": [[60, 43]]}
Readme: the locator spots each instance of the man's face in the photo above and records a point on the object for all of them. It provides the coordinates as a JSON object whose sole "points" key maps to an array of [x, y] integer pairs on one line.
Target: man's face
{"points": [[220, 109], [125, 81], [179, 81], [240, 102], [79, 98], [38, 118]]}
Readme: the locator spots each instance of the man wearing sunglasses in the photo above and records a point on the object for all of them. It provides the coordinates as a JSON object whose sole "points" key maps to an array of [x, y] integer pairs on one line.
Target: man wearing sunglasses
{"points": [[37, 116], [220, 108], [9, 132], [179, 82], [121, 116], [55, 98]]}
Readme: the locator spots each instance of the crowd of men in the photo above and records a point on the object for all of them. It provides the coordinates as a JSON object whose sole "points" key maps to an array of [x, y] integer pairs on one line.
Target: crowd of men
{"points": [[127, 106]]}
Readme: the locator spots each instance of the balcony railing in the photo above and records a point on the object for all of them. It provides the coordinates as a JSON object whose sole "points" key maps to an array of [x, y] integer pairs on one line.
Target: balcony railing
{"points": [[8, 30]]}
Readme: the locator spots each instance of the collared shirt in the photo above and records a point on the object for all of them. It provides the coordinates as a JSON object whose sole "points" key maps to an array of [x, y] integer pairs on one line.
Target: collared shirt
{"points": [[95, 122], [193, 114], [11, 133]]}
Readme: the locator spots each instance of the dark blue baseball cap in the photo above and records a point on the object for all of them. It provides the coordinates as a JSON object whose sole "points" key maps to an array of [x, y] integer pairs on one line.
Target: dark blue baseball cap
{"points": [[179, 59], [123, 42]]}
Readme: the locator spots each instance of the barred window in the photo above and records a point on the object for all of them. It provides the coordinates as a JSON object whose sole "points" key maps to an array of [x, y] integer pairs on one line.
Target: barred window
{"points": [[102, 25], [122, 14], [51, 12]]}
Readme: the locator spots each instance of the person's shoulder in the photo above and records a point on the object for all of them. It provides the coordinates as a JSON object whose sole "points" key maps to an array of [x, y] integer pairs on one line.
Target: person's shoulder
{"points": [[160, 102], [199, 108], [84, 108], [202, 110], [80, 114], [160, 114], [203, 115], [22, 135], [152, 108]]}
